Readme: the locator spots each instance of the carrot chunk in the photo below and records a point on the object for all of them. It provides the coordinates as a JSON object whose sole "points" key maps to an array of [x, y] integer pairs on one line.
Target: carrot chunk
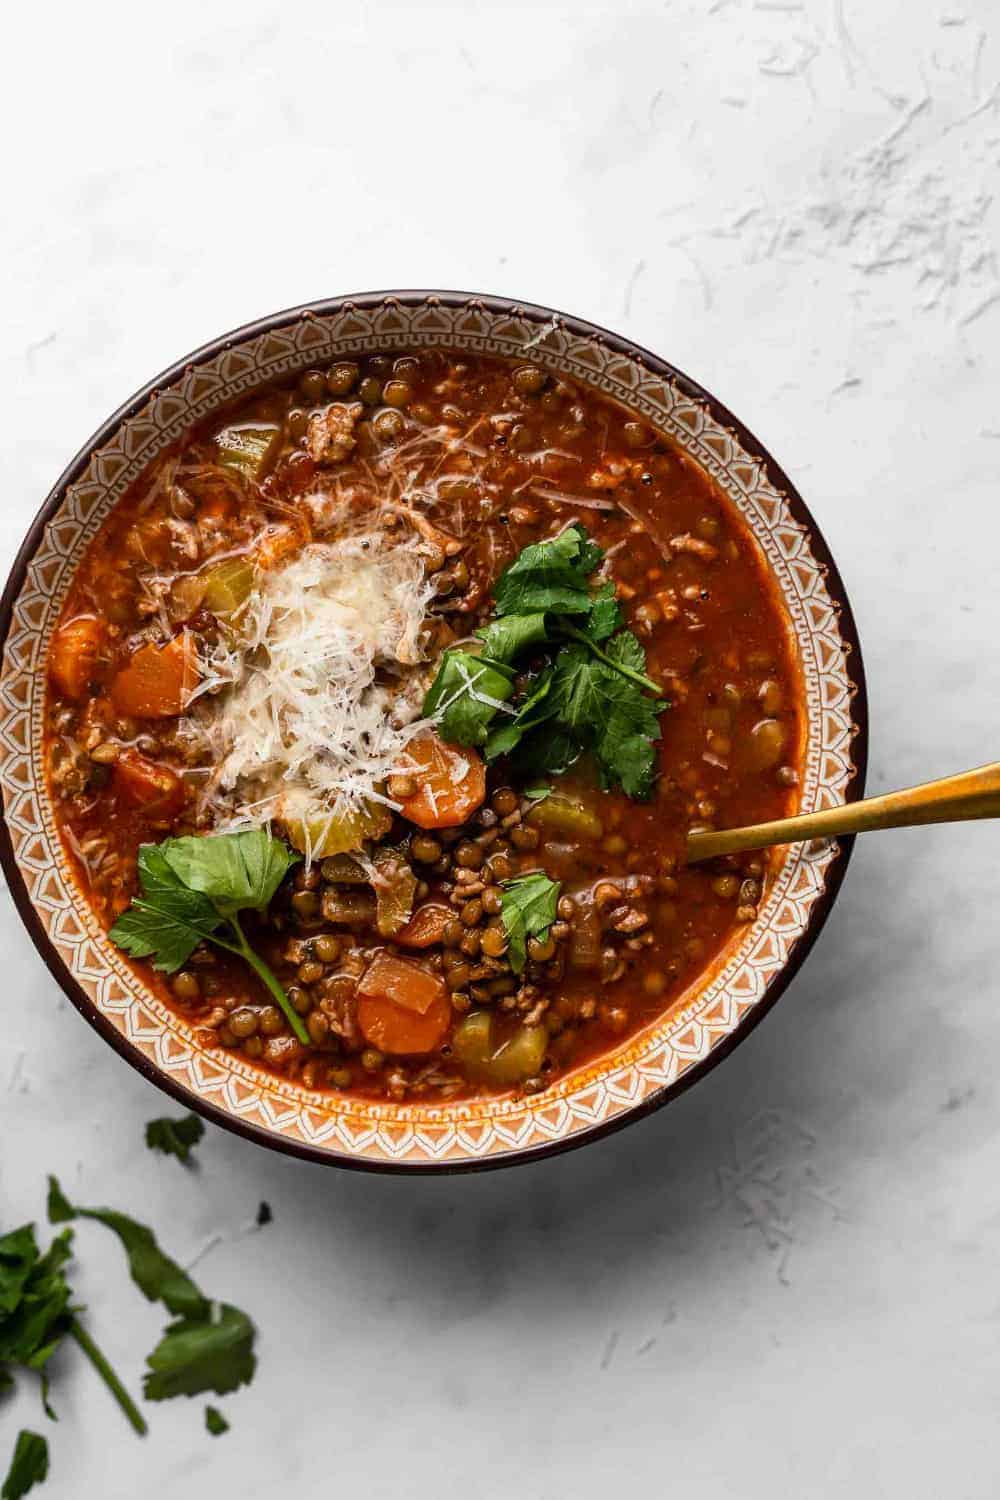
{"points": [[75, 658], [426, 926], [402, 1008], [451, 783], [155, 790], [158, 680]]}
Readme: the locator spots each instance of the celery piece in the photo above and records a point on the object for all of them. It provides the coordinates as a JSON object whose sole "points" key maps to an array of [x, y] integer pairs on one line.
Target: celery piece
{"points": [[519, 1058], [472, 1042], [227, 584], [250, 447]]}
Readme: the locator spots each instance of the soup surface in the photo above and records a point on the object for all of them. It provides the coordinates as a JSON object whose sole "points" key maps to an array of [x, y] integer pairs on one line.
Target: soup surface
{"points": [[465, 852]]}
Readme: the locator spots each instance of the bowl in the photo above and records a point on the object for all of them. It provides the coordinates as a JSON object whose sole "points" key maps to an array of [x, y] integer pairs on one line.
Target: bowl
{"points": [[721, 1006]]}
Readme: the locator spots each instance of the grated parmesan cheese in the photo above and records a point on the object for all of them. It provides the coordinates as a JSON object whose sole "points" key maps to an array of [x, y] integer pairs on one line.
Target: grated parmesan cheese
{"points": [[315, 701]]}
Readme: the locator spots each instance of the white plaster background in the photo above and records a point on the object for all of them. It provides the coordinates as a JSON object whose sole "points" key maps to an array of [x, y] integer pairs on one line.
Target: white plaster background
{"points": [[787, 1283]]}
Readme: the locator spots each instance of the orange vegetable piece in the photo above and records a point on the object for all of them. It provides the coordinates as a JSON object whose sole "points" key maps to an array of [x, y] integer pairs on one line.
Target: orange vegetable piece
{"points": [[451, 783], [402, 1008], [158, 681], [426, 926], [75, 657], [157, 791]]}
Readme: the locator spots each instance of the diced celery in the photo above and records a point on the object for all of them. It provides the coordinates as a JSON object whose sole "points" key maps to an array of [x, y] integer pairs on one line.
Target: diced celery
{"points": [[519, 1058], [562, 814], [328, 834], [227, 584], [472, 1041], [250, 447]]}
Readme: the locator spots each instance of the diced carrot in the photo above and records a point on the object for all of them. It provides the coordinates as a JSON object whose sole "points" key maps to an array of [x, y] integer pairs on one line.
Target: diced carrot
{"points": [[75, 658], [158, 681], [155, 790], [402, 1008], [451, 783], [426, 926]]}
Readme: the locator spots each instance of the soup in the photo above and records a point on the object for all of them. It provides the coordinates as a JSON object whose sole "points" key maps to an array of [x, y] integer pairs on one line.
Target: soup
{"points": [[382, 705]]}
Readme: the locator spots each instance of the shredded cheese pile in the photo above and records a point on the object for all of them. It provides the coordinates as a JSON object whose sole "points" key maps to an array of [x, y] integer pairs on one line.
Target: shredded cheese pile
{"points": [[318, 702]]}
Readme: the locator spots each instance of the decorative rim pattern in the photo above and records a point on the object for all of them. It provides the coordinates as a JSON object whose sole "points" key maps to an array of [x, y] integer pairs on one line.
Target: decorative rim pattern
{"points": [[669, 1054]]}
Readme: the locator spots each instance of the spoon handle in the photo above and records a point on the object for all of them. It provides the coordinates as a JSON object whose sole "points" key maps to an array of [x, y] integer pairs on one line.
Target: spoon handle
{"points": [[973, 794]]}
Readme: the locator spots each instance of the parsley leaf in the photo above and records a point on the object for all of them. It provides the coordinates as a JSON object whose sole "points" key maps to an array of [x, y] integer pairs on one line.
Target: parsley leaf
{"points": [[550, 576], [592, 695], [191, 886], [264, 1215], [28, 1466], [166, 922], [506, 638], [215, 1422], [528, 909], [464, 696], [236, 871], [36, 1315], [157, 1276], [202, 1354], [18, 1253], [534, 710], [605, 614], [611, 716], [175, 1137]]}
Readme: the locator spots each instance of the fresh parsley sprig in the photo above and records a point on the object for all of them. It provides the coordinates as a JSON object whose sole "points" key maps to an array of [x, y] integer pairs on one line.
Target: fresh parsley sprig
{"points": [[590, 691], [192, 891], [528, 909], [209, 1346], [175, 1137], [37, 1313]]}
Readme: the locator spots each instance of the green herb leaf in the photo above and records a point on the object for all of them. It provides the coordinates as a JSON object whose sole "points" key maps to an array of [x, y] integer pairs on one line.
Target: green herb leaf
{"points": [[32, 1328], [167, 921], [537, 793], [505, 639], [605, 614], [465, 697], [190, 886], [28, 1466], [236, 871], [528, 909], [609, 714], [264, 1215], [175, 1137], [18, 1254], [215, 1421], [550, 576], [157, 1276], [202, 1354], [535, 709]]}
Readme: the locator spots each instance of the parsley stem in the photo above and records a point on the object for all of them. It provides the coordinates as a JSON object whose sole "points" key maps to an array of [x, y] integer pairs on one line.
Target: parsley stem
{"points": [[644, 682], [260, 968], [107, 1374]]}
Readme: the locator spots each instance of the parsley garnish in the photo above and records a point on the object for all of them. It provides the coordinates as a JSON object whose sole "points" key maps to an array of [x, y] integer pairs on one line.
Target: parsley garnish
{"points": [[192, 887], [36, 1314], [209, 1346], [175, 1137], [589, 691], [528, 909], [159, 1278], [215, 1421], [202, 1354], [28, 1466]]}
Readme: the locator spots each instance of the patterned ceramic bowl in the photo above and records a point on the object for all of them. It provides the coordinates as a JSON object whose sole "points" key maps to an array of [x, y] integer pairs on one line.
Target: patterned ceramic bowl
{"points": [[652, 1067]]}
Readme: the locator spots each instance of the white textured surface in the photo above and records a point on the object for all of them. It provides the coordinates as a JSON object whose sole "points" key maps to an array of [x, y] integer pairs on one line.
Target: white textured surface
{"points": [[786, 1282]]}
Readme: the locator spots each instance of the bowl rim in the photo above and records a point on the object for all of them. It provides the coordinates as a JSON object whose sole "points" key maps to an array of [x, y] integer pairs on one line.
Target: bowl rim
{"points": [[854, 668]]}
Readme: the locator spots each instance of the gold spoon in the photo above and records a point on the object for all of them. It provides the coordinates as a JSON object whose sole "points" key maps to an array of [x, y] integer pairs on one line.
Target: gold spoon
{"points": [[954, 799]]}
